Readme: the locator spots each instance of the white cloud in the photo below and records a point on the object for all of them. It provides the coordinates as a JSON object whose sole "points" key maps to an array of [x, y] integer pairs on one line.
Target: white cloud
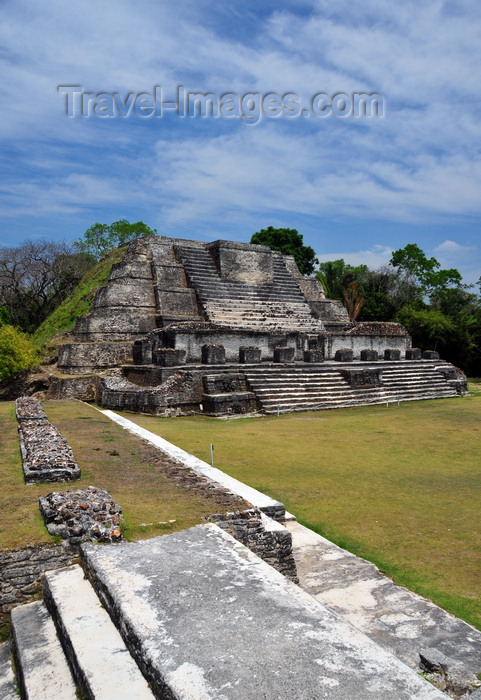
{"points": [[419, 164], [375, 257]]}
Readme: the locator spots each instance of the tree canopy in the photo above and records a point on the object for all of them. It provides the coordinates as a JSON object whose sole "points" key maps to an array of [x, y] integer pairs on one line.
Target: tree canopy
{"points": [[433, 304], [99, 239], [35, 277], [290, 242]]}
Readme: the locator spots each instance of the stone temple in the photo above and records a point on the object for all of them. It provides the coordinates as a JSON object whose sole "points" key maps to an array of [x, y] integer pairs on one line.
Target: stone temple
{"points": [[224, 327]]}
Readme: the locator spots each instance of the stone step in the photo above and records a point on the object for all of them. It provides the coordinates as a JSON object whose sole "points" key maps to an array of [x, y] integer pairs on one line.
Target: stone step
{"points": [[103, 667], [323, 405], [207, 618], [8, 685], [397, 619], [43, 671]]}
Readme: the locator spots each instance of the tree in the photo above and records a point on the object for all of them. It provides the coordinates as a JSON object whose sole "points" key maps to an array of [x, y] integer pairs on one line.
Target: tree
{"points": [[423, 272], [17, 353], [99, 239], [35, 277], [289, 242]]}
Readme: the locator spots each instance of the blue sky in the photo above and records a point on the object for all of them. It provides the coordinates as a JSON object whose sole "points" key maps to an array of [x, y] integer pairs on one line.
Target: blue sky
{"points": [[355, 187]]}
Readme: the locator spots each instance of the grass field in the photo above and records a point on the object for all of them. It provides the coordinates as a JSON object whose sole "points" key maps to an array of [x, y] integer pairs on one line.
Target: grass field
{"points": [[399, 486], [109, 458]]}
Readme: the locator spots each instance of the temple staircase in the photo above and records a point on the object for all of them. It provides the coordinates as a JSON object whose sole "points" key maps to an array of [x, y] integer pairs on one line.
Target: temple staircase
{"points": [[322, 386], [279, 305]]}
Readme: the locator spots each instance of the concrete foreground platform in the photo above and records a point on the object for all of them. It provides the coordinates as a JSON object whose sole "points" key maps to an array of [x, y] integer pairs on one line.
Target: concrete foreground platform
{"points": [[8, 687], [42, 668], [397, 619], [208, 620]]}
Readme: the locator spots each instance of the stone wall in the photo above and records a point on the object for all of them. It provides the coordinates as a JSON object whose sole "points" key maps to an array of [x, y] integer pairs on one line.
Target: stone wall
{"points": [[267, 538], [369, 336], [21, 571]]}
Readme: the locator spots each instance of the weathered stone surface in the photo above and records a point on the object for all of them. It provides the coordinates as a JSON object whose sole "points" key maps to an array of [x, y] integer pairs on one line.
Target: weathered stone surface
{"points": [[181, 392], [392, 354], [284, 354], [267, 538], [102, 665], [313, 356], [413, 354], [213, 354], [395, 618], [206, 618], [87, 514], [8, 686], [42, 667], [81, 358], [28, 408], [221, 404], [368, 355], [168, 357], [75, 387], [46, 455], [362, 376], [447, 674], [249, 354], [21, 571], [344, 355], [430, 355]]}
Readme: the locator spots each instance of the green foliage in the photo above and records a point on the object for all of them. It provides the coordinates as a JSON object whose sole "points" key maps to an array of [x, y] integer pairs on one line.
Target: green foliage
{"points": [[432, 303], [79, 302], [17, 352], [428, 327], [100, 239], [4, 316], [289, 242], [424, 272]]}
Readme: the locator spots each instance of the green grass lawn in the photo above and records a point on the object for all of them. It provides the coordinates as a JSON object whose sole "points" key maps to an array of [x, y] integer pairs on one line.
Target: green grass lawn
{"points": [[398, 486], [110, 458]]}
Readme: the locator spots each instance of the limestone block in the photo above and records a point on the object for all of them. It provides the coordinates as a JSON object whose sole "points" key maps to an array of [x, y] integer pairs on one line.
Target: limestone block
{"points": [[224, 383], [168, 357], [365, 377], [249, 354], [368, 355], [170, 276], [430, 355], [413, 354], [126, 292], [240, 402], [177, 302], [213, 354], [313, 356], [243, 262], [284, 354], [344, 355], [142, 352], [392, 354]]}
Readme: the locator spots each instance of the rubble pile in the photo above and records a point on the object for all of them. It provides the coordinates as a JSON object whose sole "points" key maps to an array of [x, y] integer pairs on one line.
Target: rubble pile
{"points": [[89, 514]]}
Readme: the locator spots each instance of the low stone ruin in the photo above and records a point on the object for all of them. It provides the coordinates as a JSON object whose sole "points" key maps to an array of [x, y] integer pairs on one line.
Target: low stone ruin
{"points": [[46, 455], [265, 537], [86, 515]]}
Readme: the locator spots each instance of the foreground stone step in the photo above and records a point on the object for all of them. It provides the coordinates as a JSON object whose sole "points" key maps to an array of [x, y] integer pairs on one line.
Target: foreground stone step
{"points": [[42, 669], [397, 619], [8, 686], [207, 619], [102, 665]]}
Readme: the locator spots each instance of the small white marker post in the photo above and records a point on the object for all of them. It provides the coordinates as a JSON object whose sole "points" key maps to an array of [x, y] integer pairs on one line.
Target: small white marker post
{"points": [[211, 455]]}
